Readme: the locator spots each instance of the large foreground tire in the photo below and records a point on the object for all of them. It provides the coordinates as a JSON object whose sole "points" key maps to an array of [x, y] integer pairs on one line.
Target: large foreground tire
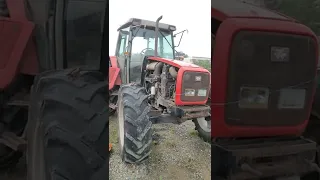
{"points": [[68, 126], [135, 133], [203, 126]]}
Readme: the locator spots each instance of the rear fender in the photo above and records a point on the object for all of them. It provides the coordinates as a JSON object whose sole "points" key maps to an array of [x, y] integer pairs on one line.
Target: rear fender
{"points": [[114, 77], [15, 36]]}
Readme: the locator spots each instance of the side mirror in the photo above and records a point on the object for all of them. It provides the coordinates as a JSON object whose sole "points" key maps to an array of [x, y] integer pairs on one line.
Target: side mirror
{"points": [[181, 32]]}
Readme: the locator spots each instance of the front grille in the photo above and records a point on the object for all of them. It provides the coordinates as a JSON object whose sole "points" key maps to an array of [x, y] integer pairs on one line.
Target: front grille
{"points": [[251, 65], [189, 82]]}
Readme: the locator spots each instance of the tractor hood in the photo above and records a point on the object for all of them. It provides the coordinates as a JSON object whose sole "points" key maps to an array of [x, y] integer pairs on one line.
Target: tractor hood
{"points": [[176, 63]]}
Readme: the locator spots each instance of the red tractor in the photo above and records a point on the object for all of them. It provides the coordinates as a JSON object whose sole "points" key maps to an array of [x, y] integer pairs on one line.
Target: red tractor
{"points": [[147, 86], [263, 81], [49, 97]]}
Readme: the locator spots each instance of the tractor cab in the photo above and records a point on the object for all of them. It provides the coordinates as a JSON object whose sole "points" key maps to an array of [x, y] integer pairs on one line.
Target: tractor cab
{"points": [[139, 38]]}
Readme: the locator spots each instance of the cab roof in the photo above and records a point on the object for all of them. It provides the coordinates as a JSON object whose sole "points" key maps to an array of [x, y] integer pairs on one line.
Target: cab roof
{"points": [[143, 22], [223, 9]]}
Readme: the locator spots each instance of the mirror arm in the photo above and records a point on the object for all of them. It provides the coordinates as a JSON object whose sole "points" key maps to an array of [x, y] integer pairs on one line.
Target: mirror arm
{"points": [[180, 40]]}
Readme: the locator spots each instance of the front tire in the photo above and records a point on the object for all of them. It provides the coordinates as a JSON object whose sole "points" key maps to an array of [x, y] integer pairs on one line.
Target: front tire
{"points": [[203, 126], [68, 126], [135, 133]]}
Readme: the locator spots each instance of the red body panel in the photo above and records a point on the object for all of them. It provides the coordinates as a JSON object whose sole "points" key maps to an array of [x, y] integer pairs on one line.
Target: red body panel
{"points": [[222, 10], [113, 61], [15, 36], [114, 73], [29, 61], [176, 63], [178, 100], [113, 76], [18, 50], [226, 31], [183, 66]]}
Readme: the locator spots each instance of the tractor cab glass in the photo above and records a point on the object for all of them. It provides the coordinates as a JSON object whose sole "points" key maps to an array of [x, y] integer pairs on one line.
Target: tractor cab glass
{"points": [[143, 44], [137, 41], [83, 31]]}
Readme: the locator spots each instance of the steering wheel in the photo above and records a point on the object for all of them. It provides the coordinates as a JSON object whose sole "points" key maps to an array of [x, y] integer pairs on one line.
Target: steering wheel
{"points": [[143, 50]]}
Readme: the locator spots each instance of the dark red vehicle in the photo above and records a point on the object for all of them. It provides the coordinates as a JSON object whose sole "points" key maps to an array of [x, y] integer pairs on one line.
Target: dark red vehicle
{"points": [[53, 90], [263, 72], [147, 86]]}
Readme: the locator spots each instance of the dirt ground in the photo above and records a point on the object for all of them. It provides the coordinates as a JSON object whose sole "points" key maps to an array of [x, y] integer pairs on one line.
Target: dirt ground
{"points": [[178, 153]]}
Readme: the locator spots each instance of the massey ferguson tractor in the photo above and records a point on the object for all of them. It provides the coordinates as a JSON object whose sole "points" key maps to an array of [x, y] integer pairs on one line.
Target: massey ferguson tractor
{"points": [[54, 88], [148, 86], [263, 82]]}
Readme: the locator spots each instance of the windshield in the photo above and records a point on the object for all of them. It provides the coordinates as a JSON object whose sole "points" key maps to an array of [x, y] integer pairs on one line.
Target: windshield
{"points": [[144, 41], [84, 32]]}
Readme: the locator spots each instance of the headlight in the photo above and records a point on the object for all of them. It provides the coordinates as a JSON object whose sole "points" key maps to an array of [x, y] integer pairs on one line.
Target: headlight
{"points": [[254, 97], [202, 92], [292, 99], [189, 92]]}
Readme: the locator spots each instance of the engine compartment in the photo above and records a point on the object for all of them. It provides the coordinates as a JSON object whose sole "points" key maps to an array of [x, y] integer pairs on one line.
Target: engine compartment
{"points": [[160, 82], [166, 85]]}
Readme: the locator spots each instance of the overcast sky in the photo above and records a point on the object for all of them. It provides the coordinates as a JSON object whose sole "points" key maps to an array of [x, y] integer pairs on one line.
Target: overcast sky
{"points": [[191, 15]]}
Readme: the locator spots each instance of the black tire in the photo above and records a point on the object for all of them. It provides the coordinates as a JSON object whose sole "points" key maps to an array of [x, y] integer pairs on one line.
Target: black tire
{"points": [[68, 126], [135, 133], [204, 132]]}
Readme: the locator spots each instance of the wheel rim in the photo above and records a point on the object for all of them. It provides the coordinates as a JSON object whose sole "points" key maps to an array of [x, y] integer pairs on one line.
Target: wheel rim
{"points": [[205, 125], [121, 125]]}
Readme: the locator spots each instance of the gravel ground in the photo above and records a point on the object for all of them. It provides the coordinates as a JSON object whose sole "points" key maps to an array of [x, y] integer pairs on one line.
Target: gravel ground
{"points": [[178, 153]]}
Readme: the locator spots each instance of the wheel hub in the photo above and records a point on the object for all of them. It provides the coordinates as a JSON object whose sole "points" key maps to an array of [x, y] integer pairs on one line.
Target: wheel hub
{"points": [[205, 125]]}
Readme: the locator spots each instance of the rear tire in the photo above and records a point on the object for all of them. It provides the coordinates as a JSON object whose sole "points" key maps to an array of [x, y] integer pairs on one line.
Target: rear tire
{"points": [[135, 133], [68, 126], [203, 127]]}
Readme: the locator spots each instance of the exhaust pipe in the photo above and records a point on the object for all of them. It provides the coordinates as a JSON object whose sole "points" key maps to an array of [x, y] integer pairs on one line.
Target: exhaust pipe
{"points": [[157, 35]]}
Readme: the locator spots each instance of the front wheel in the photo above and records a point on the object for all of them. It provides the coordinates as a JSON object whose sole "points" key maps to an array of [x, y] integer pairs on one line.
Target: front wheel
{"points": [[203, 126], [68, 126], [135, 133]]}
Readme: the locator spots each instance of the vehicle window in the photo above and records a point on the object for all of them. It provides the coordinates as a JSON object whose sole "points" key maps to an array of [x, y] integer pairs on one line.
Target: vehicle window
{"points": [[84, 32], [144, 42], [124, 38]]}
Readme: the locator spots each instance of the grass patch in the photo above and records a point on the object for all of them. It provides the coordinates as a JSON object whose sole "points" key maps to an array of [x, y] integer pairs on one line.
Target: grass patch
{"points": [[113, 132], [172, 130], [193, 133]]}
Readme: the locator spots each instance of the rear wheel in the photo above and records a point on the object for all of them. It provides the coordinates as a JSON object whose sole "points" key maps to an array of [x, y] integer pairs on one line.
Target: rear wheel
{"points": [[135, 133], [203, 126], [68, 126]]}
